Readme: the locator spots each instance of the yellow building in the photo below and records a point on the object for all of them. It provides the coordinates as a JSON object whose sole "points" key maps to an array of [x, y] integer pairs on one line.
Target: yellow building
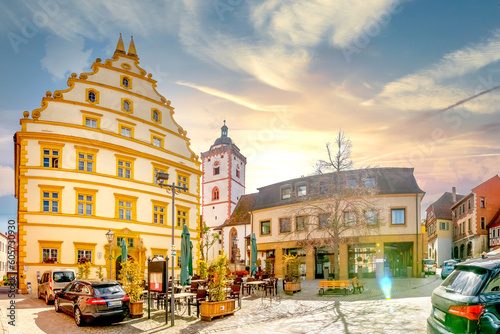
{"points": [[86, 163], [383, 236]]}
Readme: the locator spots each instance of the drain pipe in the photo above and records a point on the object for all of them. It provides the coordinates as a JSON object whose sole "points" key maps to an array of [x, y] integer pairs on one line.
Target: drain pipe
{"points": [[416, 232]]}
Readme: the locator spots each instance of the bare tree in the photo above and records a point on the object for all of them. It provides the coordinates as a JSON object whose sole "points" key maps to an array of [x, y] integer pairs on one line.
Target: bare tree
{"points": [[342, 201], [208, 239]]}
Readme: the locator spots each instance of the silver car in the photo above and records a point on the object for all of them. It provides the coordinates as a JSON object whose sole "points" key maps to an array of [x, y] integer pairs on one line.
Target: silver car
{"points": [[52, 281]]}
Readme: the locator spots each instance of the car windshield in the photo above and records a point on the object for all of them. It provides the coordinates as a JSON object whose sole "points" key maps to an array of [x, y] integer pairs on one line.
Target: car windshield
{"points": [[450, 263], [429, 262], [109, 289], [465, 280], [63, 276]]}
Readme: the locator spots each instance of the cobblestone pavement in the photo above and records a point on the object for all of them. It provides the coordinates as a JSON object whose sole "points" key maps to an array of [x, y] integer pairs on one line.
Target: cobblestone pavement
{"points": [[305, 312]]}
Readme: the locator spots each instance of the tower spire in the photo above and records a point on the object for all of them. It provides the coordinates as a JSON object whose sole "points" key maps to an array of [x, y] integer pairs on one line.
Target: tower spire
{"points": [[120, 48], [131, 48], [223, 130]]}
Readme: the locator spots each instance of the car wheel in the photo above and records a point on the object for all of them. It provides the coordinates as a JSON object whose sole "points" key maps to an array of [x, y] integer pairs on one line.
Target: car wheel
{"points": [[78, 317], [56, 305]]}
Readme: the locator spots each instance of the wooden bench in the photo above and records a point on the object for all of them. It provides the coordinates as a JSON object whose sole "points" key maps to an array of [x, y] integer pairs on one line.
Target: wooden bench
{"points": [[357, 285], [334, 285]]}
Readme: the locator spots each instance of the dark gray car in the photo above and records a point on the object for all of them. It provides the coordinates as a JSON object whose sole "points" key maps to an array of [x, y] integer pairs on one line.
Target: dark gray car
{"points": [[468, 301], [93, 299]]}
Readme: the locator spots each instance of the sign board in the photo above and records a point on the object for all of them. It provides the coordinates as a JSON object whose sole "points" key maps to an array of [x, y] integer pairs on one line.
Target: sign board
{"points": [[157, 271]]}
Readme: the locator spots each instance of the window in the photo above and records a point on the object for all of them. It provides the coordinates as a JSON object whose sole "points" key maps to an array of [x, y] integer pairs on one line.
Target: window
{"points": [[398, 216], [124, 167], [124, 210], [302, 190], [85, 204], [155, 116], [50, 255], [371, 217], [125, 82], [238, 173], [323, 220], [127, 106], [216, 170], [286, 193], [265, 227], [84, 254], [470, 225], [182, 217], [444, 226], [51, 200], [129, 242], [300, 223], [370, 182], [215, 194], [50, 157], [482, 223], [483, 205], [183, 181], [469, 204], [92, 96], [351, 183], [349, 218], [91, 122], [86, 162], [158, 142], [285, 225], [158, 214], [125, 131]]}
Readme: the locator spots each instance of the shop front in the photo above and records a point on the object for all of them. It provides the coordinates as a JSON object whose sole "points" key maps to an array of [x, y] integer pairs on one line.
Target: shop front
{"points": [[398, 259], [361, 260], [324, 263]]}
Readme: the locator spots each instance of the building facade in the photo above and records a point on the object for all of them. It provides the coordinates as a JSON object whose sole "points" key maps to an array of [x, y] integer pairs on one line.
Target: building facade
{"points": [[223, 186], [85, 163], [439, 226], [471, 217], [393, 243]]}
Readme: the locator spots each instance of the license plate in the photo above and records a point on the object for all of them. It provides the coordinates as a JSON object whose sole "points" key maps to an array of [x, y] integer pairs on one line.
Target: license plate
{"points": [[115, 303], [439, 315]]}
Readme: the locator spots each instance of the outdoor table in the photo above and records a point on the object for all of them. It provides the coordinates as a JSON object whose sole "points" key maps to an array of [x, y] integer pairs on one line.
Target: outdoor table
{"points": [[254, 284], [182, 295], [197, 281]]}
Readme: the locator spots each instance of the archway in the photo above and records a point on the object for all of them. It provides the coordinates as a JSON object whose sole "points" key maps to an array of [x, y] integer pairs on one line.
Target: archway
{"points": [[233, 235], [469, 249]]}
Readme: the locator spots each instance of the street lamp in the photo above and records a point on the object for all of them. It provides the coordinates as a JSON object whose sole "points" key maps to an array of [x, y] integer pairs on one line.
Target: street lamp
{"points": [[110, 236], [162, 178]]}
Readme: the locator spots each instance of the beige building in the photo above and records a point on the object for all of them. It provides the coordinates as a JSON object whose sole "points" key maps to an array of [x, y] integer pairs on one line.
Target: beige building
{"points": [[393, 243], [86, 163]]}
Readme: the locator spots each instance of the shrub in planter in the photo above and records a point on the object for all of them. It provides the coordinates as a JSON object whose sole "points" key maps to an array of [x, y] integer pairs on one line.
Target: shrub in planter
{"points": [[292, 273], [203, 269], [131, 281], [83, 270]]}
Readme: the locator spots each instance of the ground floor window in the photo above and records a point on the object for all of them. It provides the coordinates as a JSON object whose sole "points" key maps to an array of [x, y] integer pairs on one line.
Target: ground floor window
{"points": [[301, 256], [361, 261], [324, 262], [84, 255]]}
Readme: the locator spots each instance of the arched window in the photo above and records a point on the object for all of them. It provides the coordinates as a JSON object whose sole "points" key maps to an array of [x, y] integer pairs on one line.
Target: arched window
{"points": [[215, 194]]}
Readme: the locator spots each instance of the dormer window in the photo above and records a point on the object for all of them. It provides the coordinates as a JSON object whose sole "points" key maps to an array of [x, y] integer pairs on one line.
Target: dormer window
{"points": [[351, 183], [286, 193], [301, 190], [370, 182]]}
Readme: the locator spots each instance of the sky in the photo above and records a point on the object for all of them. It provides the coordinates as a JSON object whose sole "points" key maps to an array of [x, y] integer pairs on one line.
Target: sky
{"points": [[286, 75]]}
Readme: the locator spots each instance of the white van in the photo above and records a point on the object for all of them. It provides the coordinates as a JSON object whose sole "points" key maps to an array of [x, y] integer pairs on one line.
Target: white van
{"points": [[53, 281]]}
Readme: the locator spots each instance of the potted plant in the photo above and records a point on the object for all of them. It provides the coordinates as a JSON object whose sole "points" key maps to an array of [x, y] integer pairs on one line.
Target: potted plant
{"points": [[83, 270], [292, 273], [203, 269], [218, 304], [131, 281]]}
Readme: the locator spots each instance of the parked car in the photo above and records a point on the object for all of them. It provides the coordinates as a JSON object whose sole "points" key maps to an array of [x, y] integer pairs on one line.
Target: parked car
{"points": [[468, 299], [447, 267], [430, 266], [88, 300], [52, 281]]}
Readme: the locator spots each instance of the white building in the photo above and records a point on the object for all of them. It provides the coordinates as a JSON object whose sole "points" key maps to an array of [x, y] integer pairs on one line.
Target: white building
{"points": [[222, 187]]}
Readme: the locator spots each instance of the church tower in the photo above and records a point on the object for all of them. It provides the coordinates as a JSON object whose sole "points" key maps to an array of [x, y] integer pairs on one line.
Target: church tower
{"points": [[223, 182]]}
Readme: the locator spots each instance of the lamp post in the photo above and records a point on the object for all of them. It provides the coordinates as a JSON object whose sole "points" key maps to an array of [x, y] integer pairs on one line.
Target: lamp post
{"points": [[161, 178], [110, 236]]}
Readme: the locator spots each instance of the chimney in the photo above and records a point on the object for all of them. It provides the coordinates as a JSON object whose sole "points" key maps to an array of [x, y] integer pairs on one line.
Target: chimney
{"points": [[454, 194]]}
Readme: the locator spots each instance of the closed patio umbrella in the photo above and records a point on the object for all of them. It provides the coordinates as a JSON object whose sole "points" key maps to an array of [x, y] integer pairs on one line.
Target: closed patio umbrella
{"points": [[190, 258], [253, 259], [185, 251], [124, 250]]}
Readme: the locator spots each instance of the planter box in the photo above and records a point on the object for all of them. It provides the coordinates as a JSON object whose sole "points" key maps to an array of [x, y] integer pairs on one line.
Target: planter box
{"points": [[292, 286], [209, 310], [136, 309]]}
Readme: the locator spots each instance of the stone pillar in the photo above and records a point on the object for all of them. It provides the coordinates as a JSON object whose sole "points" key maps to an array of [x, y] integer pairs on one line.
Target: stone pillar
{"points": [[310, 263], [278, 262], [344, 268]]}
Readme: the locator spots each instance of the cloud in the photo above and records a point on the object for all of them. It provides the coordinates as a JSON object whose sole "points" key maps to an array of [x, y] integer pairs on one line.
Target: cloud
{"points": [[63, 57], [6, 180], [236, 99], [433, 87]]}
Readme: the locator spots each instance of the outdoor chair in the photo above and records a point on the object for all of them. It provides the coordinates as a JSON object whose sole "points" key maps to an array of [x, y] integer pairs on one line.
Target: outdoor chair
{"points": [[246, 286], [201, 296], [271, 286], [235, 293], [238, 280], [194, 287]]}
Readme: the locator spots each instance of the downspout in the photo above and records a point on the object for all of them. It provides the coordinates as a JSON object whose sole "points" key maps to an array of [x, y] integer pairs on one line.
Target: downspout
{"points": [[416, 232]]}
